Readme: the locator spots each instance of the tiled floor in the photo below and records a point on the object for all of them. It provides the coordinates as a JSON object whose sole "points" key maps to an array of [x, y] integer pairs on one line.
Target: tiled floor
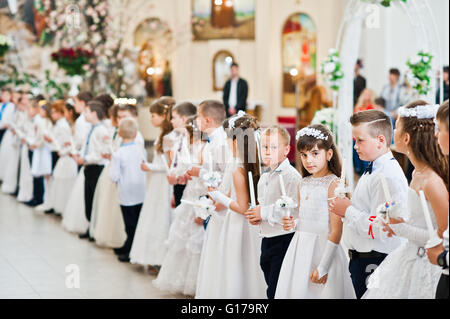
{"points": [[39, 259]]}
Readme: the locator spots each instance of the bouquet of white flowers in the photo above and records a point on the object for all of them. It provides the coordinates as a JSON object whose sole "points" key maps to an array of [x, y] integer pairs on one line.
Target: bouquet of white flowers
{"points": [[203, 207], [5, 44], [331, 70], [212, 179], [419, 73], [284, 205]]}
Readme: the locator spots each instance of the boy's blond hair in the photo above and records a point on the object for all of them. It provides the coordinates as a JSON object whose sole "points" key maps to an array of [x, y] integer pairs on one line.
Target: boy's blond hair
{"points": [[128, 128], [281, 131]]}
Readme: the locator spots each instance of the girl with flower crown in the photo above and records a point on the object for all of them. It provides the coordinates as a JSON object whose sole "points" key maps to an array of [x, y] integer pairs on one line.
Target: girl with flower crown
{"points": [[154, 221], [406, 272], [180, 267], [315, 265], [241, 276]]}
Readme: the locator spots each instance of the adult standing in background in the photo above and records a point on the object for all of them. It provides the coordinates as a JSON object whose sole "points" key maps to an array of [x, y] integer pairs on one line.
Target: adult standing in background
{"points": [[446, 87], [359, 83], [235, 92], [391, 91]]}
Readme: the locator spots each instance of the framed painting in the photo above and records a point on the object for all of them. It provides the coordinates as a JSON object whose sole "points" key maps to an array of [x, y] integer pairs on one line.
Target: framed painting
{"points": [[223, 19]]}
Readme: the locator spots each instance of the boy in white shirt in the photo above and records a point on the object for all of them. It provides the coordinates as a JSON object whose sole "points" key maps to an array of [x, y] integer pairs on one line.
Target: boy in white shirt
{"points": [[97, 143], [125, 170], [275, 146], [368, 244]]}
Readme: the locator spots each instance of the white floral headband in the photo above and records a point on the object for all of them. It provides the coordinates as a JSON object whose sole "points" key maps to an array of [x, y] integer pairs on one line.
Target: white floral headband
{"points": [[421, 111], [232, 121], [309, 131]]}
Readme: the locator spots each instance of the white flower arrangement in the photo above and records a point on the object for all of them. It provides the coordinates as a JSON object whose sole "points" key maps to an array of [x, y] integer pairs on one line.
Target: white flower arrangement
{"points": [[5, 43], [388, 210], [325, 117], [421, 111], [212, 179], [308, 131], [331, 70], [419, 73], [285, 202], [203, 207]]}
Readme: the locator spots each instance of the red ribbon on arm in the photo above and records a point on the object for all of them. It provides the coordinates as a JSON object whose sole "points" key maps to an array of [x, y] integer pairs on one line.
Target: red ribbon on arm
{"points": [[371, 218]]}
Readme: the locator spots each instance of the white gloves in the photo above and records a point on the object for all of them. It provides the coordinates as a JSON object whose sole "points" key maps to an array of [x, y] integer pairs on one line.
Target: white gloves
{"points": [[221, 198], [417, 235], [327, 259]]}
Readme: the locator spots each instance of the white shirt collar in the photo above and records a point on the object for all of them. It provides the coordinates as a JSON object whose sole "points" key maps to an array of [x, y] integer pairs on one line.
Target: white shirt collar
{"points": [[379, 162], [284, 165], [217, 133]]}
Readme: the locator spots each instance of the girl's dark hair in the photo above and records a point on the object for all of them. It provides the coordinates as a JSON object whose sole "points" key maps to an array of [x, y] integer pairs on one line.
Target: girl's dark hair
{"points": [[85, 96], [243, 131], [424, 144], [442, 114], [107, 102], [185, 109], [71, 108], [163, 107], [97, 107], [307, 143]]}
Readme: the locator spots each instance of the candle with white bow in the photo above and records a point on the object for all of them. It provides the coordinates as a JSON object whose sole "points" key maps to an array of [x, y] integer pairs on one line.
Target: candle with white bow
{"points": [[283, 189], [343, 173], [434, 240], [252, 189]]}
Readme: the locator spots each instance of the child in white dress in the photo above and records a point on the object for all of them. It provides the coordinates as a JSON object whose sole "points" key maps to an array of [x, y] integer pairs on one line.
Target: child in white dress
{"points": [[154, 221], [241, 276], [66, 169], [7, 144], [179, 269], [406, 272], [107, 225], [25, 178], [315, 265], [9, 185]]}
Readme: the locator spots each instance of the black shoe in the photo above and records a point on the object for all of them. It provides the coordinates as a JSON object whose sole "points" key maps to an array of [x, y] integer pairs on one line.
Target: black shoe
{"points": [[33, 203], [91, 239], [119, 251], [50, 211], [124, 258], [84, 236]]}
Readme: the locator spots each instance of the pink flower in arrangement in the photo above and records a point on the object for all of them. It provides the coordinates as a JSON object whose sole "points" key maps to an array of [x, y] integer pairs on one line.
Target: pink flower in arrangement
{"points": [[93, 27]]}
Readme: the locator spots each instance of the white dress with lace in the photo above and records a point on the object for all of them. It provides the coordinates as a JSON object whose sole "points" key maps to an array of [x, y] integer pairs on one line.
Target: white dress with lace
{"points": [[308, 246], [179, 269], [155, 218], [241, 276], [74, 216], [406, 273]]}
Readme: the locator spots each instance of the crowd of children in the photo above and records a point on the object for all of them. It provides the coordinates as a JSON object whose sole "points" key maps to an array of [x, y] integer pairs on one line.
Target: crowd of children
{"points": [[219, 212]]}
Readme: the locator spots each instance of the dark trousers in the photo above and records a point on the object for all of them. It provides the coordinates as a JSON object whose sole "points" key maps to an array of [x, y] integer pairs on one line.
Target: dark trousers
{"points": [[442, 289], [272, 255], [18, 171], [2, 132], [360, 269], [130, 217], [91, 176], [178, 193], [38, 190], [55, 158]]}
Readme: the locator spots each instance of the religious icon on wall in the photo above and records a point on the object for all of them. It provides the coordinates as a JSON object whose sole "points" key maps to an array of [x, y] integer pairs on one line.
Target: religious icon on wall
{"points": [[154, 39], [299, 56], [223, 19]]}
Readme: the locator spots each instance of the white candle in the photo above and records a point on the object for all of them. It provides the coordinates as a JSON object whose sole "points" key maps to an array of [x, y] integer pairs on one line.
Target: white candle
{"points": [[426, 213], [210, 162], [387, 194], [343, 172], [252, 189], [283, 189]]}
